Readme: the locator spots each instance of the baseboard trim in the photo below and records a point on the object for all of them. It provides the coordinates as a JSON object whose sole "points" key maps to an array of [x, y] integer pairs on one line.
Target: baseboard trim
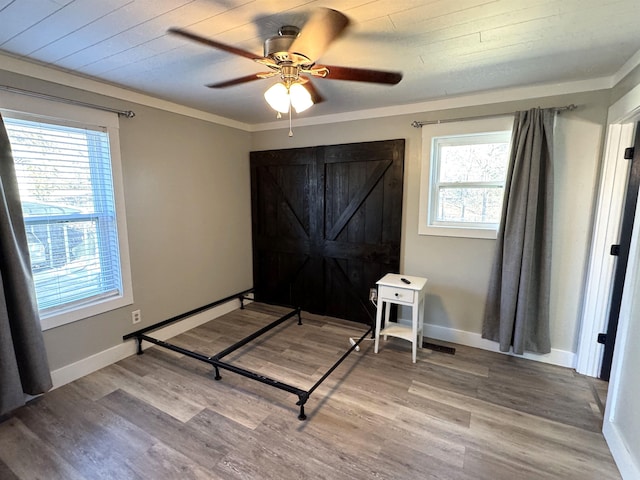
{"points": [[79, 369], [628, 468], [470, 339]]}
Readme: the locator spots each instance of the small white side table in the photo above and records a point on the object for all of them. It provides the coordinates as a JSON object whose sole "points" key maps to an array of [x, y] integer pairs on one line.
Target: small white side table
{"points": [[392, 289]]}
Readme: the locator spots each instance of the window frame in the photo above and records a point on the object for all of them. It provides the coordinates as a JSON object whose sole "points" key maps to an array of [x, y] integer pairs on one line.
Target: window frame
{"points": [[427, 225], [17, 106]]}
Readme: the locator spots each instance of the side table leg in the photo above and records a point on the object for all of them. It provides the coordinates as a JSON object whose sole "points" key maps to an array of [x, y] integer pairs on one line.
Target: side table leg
{"points": [[414, 331], [387, 315], [378, 326], [421, 324]]}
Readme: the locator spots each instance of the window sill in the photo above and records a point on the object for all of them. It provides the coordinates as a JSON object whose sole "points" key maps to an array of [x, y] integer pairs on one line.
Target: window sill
{"points": [[483, 233], [63, 317]]}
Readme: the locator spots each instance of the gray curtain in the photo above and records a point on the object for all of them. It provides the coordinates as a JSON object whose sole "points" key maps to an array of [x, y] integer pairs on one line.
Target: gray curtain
{"points": [[517, 309], [23, 361]]}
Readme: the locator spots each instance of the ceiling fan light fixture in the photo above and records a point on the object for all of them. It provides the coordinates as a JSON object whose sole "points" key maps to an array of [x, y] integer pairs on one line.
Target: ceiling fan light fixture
{"points": [[300, 97], [277, 96], [281, 98]]}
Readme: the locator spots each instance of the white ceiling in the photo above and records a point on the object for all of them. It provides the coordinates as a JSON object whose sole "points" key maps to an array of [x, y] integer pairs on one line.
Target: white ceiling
{"points": [[443, 47]]}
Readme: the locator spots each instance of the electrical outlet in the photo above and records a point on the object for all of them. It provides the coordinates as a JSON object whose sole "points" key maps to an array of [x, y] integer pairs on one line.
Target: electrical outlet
{"points": [[136, 317], [373, 294]]}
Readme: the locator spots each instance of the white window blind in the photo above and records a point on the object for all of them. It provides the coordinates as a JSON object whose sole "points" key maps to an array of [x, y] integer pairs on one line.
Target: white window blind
{"points": [[67, 194]]}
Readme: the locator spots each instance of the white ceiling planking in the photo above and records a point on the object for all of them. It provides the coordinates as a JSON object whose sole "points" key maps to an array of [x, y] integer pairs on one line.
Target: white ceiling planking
{"points": [[59, 24], [195, 72], [447, 52], [524, 34], [100, 39], [443, 47], [147, 38], [543, 38], [551, 28], [507, 71], [187, 61], [19, 15], [439, 11], [383, 8], [128, 58], [474, 19]]}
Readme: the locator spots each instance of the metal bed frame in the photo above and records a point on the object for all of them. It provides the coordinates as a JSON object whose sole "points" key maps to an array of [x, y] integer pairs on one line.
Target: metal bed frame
{"points": [[217, 362]]}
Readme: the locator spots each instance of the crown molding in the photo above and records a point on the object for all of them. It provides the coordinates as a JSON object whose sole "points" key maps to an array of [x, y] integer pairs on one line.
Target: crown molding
{"points": [[626, 69], [42, 72], [447, 103], [50, 74]]}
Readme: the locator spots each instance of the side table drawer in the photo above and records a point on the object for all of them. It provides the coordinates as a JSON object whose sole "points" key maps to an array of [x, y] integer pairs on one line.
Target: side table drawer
{"points": [[395, 294]]}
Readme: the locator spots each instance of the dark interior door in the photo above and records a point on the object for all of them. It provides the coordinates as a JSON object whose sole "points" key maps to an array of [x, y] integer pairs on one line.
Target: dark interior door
{"points": [[626, 229], [326, 225]]}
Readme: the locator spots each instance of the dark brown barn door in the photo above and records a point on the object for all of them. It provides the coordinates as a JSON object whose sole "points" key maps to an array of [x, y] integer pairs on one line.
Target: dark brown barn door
{"points": [[326, 225]]}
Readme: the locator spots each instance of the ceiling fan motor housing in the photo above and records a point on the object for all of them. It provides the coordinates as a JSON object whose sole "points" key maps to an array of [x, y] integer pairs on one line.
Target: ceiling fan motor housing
{"points": [[277, 48]]}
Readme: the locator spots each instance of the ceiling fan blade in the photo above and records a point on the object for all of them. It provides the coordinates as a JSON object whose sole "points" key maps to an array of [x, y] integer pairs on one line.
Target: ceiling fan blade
{"points": [[214, 44], [324, 26], [240, 80], [311, 88], [332, 72]]}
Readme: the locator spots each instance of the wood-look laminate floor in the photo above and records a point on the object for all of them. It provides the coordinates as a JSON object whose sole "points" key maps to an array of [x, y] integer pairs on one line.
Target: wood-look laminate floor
{"points": [[475, 415]]}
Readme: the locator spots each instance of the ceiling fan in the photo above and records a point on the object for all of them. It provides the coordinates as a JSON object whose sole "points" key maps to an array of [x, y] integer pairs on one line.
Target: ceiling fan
{"points": [[292, 55]]}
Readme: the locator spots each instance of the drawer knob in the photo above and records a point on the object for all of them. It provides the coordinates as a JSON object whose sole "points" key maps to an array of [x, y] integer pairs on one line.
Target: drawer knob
{"points": [[397, 294]]}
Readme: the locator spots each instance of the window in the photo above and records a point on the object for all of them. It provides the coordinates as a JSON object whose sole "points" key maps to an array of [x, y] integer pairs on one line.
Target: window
{"points": [[75, 230], [463, 175]]}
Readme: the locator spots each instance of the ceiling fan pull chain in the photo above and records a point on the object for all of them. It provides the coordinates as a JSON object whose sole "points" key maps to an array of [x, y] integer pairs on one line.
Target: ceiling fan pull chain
{"points": [[290, 130]]}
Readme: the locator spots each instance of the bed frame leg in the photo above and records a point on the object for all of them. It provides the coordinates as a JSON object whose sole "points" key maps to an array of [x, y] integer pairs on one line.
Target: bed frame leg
{"points": [[217, 377], [299, 317], [241, 302], [139, 350], [302, 399]]}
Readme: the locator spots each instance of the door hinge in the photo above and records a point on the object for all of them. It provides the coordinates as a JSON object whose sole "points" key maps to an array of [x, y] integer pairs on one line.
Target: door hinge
{"points": [[602, 338], [615, 250], [628, 153]]}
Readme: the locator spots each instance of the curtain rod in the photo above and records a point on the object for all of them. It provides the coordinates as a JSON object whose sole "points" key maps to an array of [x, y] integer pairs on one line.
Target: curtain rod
{"points": [[419, 124], [20, 91]]}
